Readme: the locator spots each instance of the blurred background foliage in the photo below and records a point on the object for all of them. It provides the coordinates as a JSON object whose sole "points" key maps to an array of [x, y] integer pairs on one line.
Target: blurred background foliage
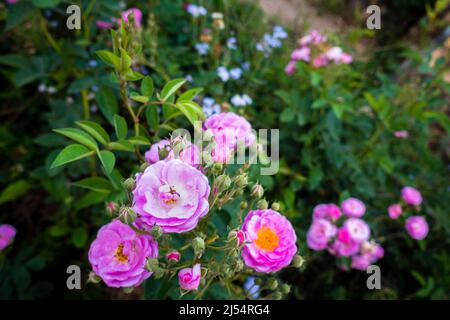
{"points": [[336, 132]]}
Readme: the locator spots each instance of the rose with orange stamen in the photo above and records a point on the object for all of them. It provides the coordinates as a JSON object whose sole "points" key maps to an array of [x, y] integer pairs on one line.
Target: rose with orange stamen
{"points": [[270, 241]]}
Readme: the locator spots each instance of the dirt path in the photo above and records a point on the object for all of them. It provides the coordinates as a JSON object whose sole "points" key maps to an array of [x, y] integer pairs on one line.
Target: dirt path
{"points": [[301, 13]]}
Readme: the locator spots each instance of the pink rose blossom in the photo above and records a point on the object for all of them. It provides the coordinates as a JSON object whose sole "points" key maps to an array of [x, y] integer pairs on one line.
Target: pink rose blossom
{"points": [[395, 210], [189, 278], [319, 234], [272, 241], [327, 211], [402, 134], [334, 54], [320, 61], [344, 248], [358, 229], [172, 195], [152, 155], [137, 16], [361, 262], [411, 196], [373, 250], [353, 207], [417, 227], [7, 234], [118, 255], [173, 256], [290, 68], [301, 54]]}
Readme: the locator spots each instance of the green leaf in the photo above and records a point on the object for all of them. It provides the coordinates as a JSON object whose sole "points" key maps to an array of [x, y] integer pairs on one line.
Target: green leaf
{"points": [[95, 130], [95, 183], [125, 60], [131, 75], [139, 140], [89, 199], [79, 237], [190, 94], [171, 87], [152, 117], [136, 97], [107, 159], [14, 191], [121, 127], [191, 110], [121, 145], [71, 153], [315, 79], [147, 87], [78, 136], [107, 103], [109, 58], [287, 115]]}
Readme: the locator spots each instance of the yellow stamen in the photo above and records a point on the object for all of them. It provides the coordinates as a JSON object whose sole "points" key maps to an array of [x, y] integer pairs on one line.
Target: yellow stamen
{"points": [[267, 239], [120, 255]]}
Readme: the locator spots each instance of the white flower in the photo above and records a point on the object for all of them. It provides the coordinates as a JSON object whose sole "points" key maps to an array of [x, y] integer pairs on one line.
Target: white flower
{"points": [[235, 73], [196, 10], [223, 74], [202, 48], [231, 43]]}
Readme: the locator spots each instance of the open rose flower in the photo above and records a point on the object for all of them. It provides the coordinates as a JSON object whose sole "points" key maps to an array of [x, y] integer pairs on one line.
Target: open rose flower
{"points": [[358, 229], [395, 211], [327, 211], [189, 278], [172, 195], [228, 129], [344, 245], [319, 234], [7, 234], [411, 196], [118, 255], [417, 227], [271, 241], [353, 207]]}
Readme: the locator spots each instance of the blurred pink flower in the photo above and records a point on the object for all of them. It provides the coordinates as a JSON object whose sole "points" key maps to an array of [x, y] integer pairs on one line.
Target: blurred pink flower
{"points": [[395, 210], [411, 196]]}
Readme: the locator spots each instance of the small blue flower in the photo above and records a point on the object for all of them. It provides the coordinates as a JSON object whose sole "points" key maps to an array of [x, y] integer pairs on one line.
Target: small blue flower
{"points": [[202, 48], [231, 43], [210, 106], [196, 10], [279, 33], [241, 100], [223, 74], [251, 288], [235, 73], [93, 63]]}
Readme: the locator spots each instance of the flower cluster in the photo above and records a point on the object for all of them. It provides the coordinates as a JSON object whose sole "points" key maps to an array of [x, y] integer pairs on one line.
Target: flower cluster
{"points": [[271, 41], [316, 50], [7, 234], [416, 226], [344, 234], [173, 197]]}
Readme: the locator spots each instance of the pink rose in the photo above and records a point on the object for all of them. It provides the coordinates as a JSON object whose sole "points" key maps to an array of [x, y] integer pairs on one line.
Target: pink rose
{"points": [[137, 16], [152, 155], [118, 255], [361, 262], [395, 210], [272, 241], [319, 234], [417, 227], [346, 58], [7, 234], [353, 207], [320, 61], [373, 250], [189, 278], [290, 68], [173, 256], [411, 196], [344, 249], [327, 211], [172, 195], [358, 229], [301, 54]]}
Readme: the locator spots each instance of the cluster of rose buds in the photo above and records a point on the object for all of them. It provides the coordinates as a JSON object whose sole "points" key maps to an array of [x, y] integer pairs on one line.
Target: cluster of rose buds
{"points": [[173, 195], [7, 234], [315, 49], [416, 226], [342, 232]]}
